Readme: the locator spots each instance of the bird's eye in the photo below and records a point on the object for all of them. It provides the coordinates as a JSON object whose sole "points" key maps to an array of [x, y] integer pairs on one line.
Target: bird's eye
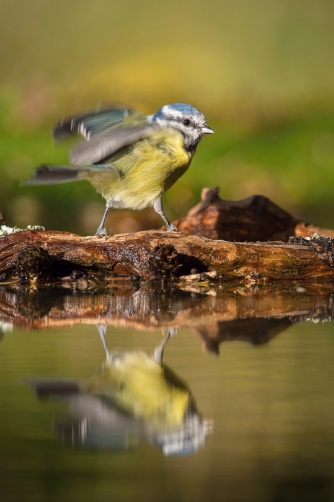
{"points": [[186, 122]]}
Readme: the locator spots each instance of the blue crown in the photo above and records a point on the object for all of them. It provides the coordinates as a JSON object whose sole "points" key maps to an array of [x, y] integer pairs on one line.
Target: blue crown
{"points": [[181, 108]]}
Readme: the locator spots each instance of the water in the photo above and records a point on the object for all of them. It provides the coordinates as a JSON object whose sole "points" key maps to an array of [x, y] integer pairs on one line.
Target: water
{"points": [[266, 399]]}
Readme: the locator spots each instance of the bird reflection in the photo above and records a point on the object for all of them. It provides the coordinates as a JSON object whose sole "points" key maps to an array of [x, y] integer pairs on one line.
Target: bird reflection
{"points": [[132, 396]]}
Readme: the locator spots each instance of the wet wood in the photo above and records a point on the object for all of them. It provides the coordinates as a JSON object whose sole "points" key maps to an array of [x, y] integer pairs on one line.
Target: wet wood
{"points": [[50, 255]]}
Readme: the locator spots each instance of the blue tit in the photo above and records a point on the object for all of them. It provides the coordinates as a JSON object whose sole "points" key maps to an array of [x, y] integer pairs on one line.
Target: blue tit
{"points": [[131, 159]]}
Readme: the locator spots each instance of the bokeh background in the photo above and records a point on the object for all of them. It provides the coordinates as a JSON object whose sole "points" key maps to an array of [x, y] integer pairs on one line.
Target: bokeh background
{"points": [[261, 70]]}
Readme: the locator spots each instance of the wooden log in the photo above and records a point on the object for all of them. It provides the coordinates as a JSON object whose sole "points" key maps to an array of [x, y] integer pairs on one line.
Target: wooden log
{"points": [[49, 255], [151, 254]]}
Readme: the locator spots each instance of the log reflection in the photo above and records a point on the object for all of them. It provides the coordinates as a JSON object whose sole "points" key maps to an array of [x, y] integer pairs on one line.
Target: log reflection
{"points": [[255, 331], [215, 314]]}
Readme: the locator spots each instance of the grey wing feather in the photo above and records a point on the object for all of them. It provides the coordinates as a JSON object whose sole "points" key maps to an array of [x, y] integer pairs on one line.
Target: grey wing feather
{"points": [[89, 123], [103, 145]]}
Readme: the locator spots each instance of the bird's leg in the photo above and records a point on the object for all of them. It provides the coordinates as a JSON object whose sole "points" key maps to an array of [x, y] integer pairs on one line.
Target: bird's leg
{"points": [[159, 351], [159, 209], [102, 231], [102, 329]]}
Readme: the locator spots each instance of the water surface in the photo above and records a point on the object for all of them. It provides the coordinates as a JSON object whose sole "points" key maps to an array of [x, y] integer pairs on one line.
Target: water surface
{"points": [[267, 396]]}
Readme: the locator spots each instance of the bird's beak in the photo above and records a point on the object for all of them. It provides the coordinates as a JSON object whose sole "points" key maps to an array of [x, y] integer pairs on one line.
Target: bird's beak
{"points": [[207, 130]]}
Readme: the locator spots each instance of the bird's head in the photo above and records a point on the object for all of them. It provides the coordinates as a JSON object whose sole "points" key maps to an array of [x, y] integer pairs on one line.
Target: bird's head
{"points": [[186, 119]]}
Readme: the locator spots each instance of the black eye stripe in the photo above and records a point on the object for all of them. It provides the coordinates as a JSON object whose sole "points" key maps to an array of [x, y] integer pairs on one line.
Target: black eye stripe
{"points": [[186, 121]]}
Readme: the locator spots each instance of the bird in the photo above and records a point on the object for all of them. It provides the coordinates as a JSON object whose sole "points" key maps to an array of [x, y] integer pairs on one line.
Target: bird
{"points": [[130, 158]]}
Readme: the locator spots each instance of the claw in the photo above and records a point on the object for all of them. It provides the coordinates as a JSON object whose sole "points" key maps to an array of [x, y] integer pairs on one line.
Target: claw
{"points": [[101, 232]]}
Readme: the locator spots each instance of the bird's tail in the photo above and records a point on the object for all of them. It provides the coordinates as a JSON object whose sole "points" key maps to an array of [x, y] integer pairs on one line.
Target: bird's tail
{"points": [[47, 388], [46, 175], [51, 175]]}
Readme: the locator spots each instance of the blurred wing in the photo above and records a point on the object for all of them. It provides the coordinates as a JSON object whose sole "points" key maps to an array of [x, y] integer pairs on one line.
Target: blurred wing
{"points": [[103, 145], [89, 123]]}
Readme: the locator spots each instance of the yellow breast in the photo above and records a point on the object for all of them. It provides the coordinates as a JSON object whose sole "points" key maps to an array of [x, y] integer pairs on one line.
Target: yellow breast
{"points": [[139, 386], [147, 169]]}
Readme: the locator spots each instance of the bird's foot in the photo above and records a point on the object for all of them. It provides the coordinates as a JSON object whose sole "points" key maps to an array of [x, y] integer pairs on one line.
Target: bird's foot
{"points": [[101, 232], [171, 228], [171, 332]]}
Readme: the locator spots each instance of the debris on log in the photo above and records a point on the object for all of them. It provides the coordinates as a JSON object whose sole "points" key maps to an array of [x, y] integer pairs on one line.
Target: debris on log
{"points": [[39, 255]]}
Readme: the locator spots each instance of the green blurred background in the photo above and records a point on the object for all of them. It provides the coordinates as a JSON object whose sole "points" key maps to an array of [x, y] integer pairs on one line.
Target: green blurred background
{"points": [[261, 71]]}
